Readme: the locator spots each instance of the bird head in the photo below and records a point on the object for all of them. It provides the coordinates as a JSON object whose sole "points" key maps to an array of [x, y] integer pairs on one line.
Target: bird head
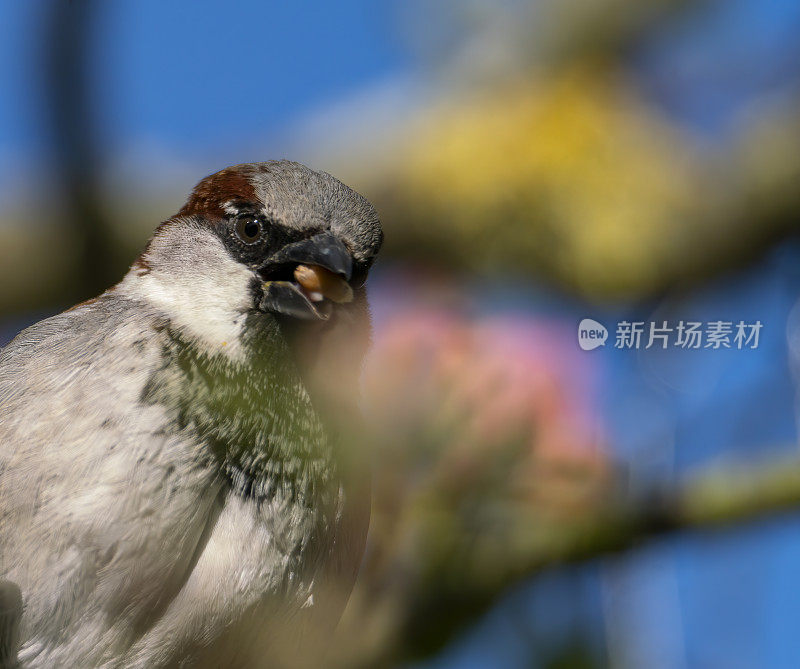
{"points": [[272, 238]]}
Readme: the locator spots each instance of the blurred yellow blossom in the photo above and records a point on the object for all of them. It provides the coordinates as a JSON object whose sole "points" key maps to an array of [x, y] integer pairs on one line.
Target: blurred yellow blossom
{"points": [[574, 175]]}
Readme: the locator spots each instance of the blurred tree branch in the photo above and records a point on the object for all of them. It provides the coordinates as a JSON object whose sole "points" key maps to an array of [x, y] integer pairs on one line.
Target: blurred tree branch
{"points": [[67, 41], [461, 574]]}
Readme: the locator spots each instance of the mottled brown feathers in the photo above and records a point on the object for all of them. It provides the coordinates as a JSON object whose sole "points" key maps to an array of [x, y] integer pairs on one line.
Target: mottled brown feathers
{"points": [[207, 202], [208, 198]]}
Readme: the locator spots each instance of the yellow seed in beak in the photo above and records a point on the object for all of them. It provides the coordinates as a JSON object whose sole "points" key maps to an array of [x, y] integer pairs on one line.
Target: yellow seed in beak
{"points": [[315, 279]]}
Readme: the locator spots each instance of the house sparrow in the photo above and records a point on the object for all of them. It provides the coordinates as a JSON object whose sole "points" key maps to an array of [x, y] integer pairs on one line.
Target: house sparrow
{"points": [[170, 493]]}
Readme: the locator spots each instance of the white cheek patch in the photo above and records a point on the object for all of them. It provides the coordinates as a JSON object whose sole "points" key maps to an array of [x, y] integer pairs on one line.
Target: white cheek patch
{"points": [[199, 286]]}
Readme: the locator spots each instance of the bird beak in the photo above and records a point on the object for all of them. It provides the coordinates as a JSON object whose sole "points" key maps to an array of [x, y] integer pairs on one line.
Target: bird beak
{"points": [[304, 277]]}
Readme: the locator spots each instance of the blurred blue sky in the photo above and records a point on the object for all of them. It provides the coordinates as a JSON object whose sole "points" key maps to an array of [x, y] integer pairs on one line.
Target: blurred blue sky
{"points": [[709, 66], [206, 78], [213, 78], [725, 598]]}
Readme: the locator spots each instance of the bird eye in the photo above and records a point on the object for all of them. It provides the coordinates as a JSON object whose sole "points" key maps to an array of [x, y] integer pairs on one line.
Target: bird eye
{"points": [[249, 228]]}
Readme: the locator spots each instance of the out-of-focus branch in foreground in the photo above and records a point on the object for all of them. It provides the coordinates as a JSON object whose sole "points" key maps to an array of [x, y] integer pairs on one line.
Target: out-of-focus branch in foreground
{"points": [[457, 573]]}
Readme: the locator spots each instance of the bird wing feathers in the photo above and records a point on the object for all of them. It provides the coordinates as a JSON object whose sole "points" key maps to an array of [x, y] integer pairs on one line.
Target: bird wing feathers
{"points": [[128, 548], [101, 510]]}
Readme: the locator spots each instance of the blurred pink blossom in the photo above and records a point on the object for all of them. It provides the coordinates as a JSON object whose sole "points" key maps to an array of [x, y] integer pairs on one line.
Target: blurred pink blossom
{"points": [[481, 384]]}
